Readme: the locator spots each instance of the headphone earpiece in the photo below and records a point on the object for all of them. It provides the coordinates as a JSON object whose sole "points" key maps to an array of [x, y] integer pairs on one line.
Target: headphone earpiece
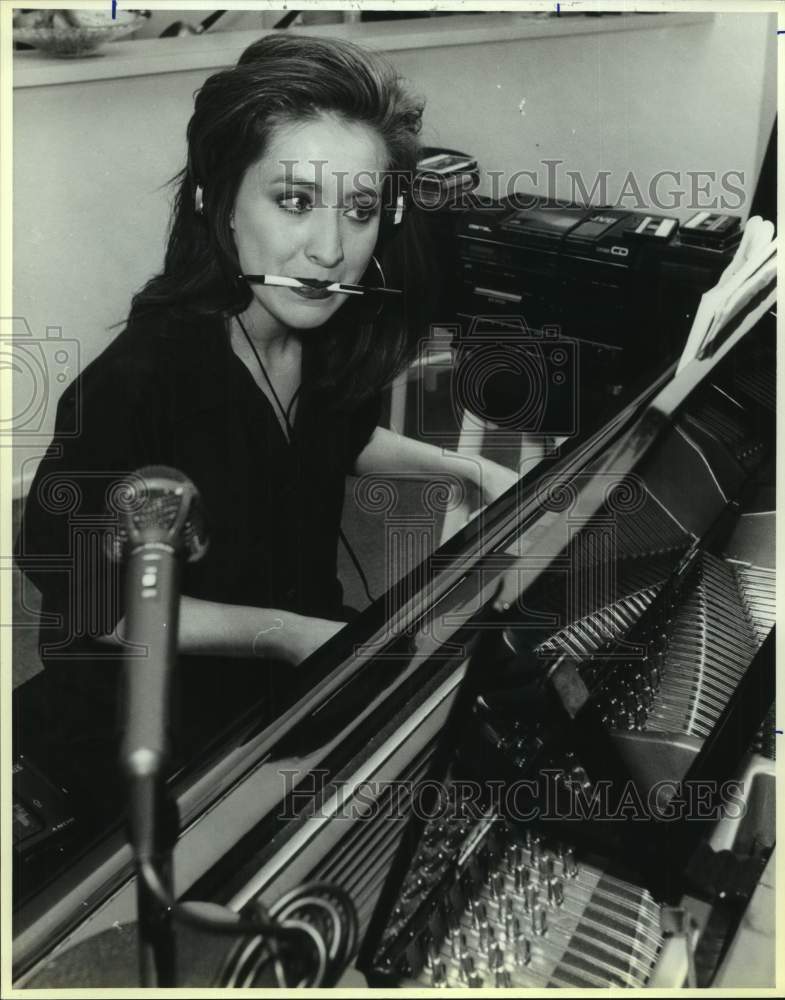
{"points": [[392, 217], [399, 205]]}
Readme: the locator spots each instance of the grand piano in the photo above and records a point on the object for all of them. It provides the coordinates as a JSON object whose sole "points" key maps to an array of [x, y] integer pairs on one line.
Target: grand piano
{"points": [[605, 626]]}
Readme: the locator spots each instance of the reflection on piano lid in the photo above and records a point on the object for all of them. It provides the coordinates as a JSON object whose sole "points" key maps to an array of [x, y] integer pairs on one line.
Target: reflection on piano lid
{"points": [[640, 565]]}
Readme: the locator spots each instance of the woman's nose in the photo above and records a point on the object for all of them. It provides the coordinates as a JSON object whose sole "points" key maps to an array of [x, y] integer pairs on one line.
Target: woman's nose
{"points": [[325, 246]]}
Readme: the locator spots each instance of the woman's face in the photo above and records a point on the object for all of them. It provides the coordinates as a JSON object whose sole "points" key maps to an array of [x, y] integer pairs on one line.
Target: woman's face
{"points": [[309, 208]]}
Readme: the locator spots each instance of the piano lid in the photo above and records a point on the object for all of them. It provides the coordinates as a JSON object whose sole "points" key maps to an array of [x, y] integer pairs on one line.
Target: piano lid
{"points": [[369, 673]]}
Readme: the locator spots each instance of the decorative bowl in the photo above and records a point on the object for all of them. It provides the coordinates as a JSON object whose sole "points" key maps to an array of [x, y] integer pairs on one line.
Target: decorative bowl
{"points": [[72, 42]]}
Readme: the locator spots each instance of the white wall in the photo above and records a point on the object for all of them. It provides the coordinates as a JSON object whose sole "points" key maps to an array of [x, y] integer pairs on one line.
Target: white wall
{"points": [[689, 98], [90, 159]]}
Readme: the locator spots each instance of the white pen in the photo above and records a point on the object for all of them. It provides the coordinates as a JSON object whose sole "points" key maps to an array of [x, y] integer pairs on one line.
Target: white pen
{"points": [[316, 283]]}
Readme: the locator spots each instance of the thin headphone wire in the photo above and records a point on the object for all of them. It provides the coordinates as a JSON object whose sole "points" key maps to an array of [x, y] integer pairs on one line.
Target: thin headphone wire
{"points": [[357, 566], [284, 412], [290, 437]]}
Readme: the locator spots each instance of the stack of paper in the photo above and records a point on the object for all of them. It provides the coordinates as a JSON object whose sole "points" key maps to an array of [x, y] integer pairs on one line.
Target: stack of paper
{"points": [[745, 291]]}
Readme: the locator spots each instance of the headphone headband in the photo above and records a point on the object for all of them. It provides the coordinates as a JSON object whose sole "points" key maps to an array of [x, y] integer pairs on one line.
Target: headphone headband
{"points": [[199, 205]]}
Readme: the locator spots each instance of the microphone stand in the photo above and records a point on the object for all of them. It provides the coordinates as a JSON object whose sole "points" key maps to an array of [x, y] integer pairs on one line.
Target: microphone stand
{"points": [[153, 589], [151, 803]]}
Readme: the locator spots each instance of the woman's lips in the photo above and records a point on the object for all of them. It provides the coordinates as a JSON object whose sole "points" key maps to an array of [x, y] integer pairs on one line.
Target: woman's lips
{"points": [[312, 293]]}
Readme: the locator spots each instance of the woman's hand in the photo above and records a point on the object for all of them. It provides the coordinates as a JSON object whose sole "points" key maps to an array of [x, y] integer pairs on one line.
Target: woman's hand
{"points": [[293, 637], [494, 479], [306, 635]]}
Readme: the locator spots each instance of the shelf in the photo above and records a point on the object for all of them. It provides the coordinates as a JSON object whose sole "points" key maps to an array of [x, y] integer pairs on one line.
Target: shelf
{"points": [[212, 51]]}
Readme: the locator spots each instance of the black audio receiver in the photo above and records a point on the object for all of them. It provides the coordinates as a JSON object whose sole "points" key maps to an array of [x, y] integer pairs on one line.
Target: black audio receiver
{"points": [[621, 288], [618, 279]]}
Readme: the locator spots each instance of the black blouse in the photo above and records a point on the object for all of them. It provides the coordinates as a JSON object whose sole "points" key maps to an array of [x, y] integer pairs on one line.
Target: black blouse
{"points": [[176, 394]]}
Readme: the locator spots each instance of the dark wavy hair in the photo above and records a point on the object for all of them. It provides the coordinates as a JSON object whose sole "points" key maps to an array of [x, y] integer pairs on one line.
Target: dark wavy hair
{"points": [[282, 79]]}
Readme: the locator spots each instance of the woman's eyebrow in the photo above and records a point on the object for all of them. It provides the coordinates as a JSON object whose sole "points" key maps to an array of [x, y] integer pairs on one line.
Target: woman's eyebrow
{"points": [[363, 192], [300, 182]]}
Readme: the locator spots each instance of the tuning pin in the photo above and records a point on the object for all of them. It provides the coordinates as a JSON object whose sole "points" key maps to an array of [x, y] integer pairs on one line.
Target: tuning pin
{"points": [[530, 894], [426, 942], [457, 945], [555, 891], [451, 920], [414, 887], [492, 894], [522, 878], [493, 864], [476, 981], [643, 690], [569, 864], [536, 849], [523, 952], [431, 836], [439, 975], [539, 919], [503, 980], [467, 967], [482, 915], [496, 957], [482, 936], [546, 865], [455, 837]]}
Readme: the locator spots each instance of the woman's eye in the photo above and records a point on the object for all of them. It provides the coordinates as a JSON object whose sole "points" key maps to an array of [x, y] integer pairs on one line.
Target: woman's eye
{"points": [[297, 204], [362, 211]]}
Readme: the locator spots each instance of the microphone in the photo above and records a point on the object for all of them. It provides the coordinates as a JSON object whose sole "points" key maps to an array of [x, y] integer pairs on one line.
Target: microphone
{"points": [[163, 526]]}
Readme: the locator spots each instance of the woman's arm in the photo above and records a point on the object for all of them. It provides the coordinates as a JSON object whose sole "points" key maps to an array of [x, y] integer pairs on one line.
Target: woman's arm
{"points": [[388, 452], [208, 628]]}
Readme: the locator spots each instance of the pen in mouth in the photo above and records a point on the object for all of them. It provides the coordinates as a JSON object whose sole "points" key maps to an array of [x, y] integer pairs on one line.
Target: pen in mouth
{"points": [[316, 284]]}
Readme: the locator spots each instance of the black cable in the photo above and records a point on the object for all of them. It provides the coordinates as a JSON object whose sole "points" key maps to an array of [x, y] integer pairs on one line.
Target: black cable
{"points": [[357, 566], [284, 412], [281, 931], [290, 435]]}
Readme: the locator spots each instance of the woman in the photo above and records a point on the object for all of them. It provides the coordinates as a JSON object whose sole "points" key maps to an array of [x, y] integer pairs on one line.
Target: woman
{"points": [[265, 396]]}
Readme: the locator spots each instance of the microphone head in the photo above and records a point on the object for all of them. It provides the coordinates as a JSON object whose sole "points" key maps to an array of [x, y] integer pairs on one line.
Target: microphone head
{"points": [[159, 505]]}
